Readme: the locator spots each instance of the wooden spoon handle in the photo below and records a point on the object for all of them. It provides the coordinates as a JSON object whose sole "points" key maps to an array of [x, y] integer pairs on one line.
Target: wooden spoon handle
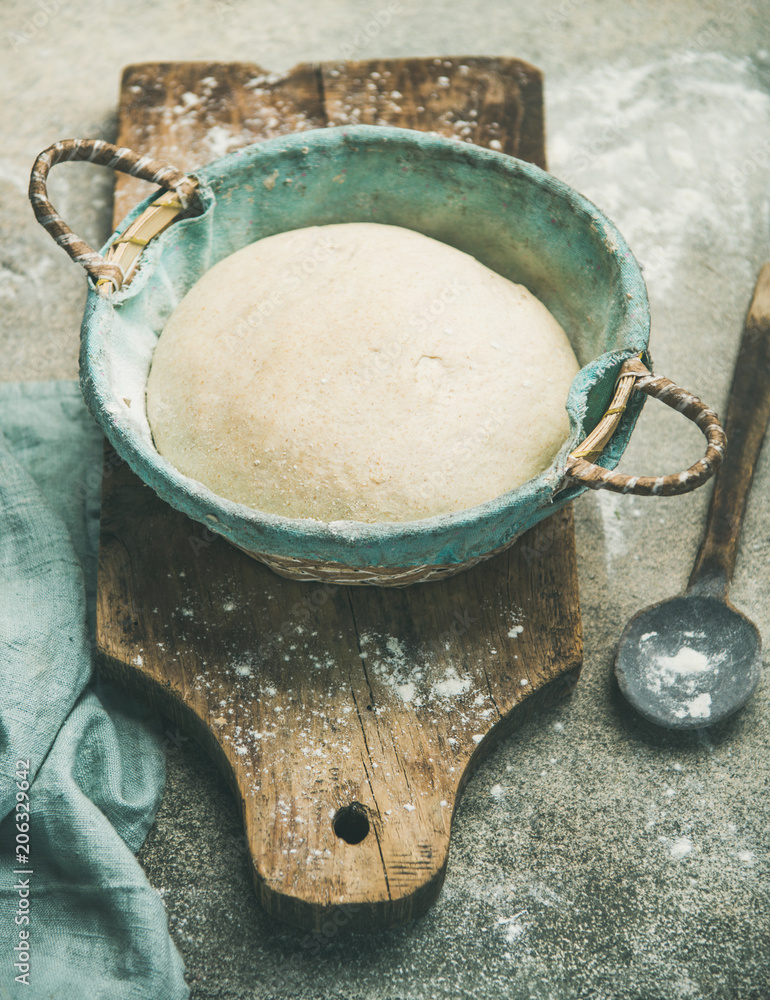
{"points": [[748, 410]]}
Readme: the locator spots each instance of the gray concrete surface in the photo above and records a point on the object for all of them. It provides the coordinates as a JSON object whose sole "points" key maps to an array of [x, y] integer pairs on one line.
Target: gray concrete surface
{"points": [[595, 856]]}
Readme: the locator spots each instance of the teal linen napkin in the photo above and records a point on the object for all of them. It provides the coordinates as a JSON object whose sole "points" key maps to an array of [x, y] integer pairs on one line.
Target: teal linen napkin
{"points": [[93, 925]]}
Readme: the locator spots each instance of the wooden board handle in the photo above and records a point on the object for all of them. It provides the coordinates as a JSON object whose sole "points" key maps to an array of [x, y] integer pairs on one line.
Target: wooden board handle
{"points": [[748, 410]]}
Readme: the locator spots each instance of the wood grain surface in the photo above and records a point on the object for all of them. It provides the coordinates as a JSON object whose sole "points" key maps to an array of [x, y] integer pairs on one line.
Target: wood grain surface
{"points": [[346, 719]]}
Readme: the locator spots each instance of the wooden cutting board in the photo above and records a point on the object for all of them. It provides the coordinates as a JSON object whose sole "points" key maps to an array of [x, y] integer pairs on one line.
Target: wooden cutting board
{"points": [[346, 719]]}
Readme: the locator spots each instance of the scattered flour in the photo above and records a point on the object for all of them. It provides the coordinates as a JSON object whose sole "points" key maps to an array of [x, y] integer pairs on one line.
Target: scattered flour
{"points": [[612, 507], [393, 667], [451, 685], [408, 674], [513, 928], [220, 141], [627, 137], [406, 692], [681, 847]]}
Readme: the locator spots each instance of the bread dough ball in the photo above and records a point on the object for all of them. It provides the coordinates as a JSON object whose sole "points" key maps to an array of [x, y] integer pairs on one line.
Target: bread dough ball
{"points": [[359, 372]]}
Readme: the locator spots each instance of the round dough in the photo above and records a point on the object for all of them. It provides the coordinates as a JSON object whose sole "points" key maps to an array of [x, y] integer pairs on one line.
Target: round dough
{"points": [[359, 372]]}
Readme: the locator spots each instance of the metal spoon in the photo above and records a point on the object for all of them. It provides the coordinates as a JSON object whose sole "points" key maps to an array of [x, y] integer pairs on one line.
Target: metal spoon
{"points": [[693, 660]]}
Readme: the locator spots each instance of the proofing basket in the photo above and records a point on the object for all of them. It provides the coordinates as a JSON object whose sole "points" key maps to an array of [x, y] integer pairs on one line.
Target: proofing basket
{"points": [[513, 217]]}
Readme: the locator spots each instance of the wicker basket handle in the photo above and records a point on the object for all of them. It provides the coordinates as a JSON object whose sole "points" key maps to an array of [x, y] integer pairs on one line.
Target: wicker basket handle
{"points": [[103, 271], [634, 375]]}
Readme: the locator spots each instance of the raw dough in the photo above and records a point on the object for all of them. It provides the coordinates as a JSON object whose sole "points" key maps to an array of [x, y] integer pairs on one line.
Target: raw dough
{"points": [[359, 372]]}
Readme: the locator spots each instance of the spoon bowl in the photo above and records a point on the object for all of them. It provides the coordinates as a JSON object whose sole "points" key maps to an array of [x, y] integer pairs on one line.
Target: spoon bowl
{"points": [[689, 662]]}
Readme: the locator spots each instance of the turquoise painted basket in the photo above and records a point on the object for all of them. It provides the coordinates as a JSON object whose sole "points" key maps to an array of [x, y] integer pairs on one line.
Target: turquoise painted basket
{"points": [[512, 216]]}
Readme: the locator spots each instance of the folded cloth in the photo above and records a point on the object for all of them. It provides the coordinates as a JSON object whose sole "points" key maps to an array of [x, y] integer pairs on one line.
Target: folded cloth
{"points": [[81, 765]]}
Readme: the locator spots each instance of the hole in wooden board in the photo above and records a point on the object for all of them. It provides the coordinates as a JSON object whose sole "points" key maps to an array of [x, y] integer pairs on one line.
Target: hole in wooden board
{"points": [[351, 823]]}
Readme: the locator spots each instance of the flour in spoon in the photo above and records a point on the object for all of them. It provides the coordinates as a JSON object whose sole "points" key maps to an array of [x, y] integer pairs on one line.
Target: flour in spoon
{"points": [[684, 669], [698, 708], [686, 661]]}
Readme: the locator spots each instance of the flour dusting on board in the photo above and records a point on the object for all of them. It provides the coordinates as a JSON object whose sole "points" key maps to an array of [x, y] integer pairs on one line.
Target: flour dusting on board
{"points": [[419, 676], [406, 675], [451, 684], [392, 665]]}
